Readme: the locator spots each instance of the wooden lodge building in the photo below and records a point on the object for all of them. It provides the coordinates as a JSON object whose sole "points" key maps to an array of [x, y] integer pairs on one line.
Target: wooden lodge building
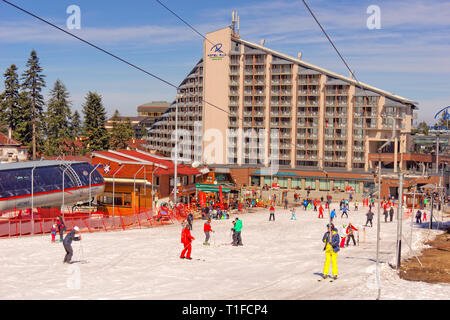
{"points": [[125, 170]]}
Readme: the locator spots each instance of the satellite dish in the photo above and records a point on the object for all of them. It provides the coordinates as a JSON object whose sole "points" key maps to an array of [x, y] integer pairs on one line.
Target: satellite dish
{"points": [[195, 164]]}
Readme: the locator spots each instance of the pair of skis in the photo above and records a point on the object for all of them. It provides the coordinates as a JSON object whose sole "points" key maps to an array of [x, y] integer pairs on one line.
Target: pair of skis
{"points": [[330, 279]]}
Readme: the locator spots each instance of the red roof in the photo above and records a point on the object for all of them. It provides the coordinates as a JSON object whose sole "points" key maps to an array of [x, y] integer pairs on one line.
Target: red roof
{"points": [[135, 160], [5, 141], [137, 144]]}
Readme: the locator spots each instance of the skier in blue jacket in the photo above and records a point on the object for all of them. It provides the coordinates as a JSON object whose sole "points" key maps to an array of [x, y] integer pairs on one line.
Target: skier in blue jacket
{"points": [[332, 214], [305, 204]]}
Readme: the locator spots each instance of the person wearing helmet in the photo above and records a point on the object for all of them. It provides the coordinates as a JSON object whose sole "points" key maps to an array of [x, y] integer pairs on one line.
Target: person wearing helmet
{"points": [[73, 235], [331, 239]]}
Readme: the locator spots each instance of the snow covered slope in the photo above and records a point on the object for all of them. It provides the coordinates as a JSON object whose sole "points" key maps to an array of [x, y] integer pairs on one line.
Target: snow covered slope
{"points": [[279, 260]]}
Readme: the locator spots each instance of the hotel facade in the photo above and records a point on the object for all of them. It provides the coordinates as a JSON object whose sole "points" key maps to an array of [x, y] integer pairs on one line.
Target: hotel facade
{"points": [[263, 117]]}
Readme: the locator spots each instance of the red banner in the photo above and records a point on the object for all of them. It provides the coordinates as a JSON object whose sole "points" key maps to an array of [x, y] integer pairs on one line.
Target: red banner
{"points": [[202, 197], [221, 197]]}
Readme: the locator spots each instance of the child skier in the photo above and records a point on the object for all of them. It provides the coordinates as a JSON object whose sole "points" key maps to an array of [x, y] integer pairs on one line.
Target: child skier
{"points": [[272, 213], [53, 232], [331, 249], [207, 229], [293, 214], [73, 235], [186, 240]]}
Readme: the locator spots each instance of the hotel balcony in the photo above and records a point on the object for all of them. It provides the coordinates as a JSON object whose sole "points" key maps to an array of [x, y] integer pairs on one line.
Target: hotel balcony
{"points": [[334, 92]]}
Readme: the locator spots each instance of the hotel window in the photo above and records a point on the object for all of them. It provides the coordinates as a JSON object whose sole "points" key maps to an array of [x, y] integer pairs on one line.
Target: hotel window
{"points": [[354, 185], [255, 180], [120, 199], [339, 184], [296, 183], [310, 183], [127, 199], [324, 185], [283, 182]]}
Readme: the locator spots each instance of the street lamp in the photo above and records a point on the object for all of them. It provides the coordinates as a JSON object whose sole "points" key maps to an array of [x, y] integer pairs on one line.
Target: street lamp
{"points": [[64, 171], [32, 199], [90, 193]]}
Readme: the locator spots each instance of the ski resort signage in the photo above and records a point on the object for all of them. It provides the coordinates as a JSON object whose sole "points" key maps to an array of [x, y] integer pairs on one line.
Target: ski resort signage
{"points": [[216, 53], [445, 116]]}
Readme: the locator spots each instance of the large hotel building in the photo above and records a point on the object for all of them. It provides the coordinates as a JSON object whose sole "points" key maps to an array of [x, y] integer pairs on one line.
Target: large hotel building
{"points": [[244, 106]]}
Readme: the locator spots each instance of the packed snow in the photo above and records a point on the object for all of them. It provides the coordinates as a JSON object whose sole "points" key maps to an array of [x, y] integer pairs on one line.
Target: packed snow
{"points": [[281, 259]]}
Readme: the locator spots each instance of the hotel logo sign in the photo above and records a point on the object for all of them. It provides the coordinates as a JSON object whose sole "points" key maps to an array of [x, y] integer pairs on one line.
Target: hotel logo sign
{"points": [[216, 53], [445, 116]]}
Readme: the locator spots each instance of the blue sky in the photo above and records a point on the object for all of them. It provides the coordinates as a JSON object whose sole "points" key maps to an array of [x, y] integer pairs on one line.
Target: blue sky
{"points": [[409, 55]]}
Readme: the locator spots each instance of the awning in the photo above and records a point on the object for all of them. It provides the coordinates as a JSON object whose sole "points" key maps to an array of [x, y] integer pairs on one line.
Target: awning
{"points": [[208, 187]]}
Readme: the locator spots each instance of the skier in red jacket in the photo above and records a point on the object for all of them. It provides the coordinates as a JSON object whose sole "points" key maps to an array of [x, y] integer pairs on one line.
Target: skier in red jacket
{"points": [[321, 211], [207, 229], [186, 240], [350, 235]]}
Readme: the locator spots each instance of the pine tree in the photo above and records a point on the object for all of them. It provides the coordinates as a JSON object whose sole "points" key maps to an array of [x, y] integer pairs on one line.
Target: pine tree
{"points": [[142, 132], [9, 99], [423, 127], [97, 138], [32, 104], [75, 125], [121, 132], [57, 120]]}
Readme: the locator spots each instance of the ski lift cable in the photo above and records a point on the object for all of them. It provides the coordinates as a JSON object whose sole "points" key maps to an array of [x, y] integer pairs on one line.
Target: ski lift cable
{"points": [[109, 53]]}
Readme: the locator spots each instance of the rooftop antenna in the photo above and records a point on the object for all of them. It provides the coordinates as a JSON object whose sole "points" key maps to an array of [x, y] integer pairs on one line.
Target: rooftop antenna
{"points": [[234, 22]]}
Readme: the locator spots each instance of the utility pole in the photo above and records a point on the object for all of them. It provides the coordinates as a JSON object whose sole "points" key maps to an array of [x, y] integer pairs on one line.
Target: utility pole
{"points": [[437, 153], [431, 213], [378, 229], [176, 154], [412, 216], [399, 221]]}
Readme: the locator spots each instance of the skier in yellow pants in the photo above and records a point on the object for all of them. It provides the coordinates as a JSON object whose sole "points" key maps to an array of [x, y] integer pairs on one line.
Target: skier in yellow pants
{"points": [[331, 250]]}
